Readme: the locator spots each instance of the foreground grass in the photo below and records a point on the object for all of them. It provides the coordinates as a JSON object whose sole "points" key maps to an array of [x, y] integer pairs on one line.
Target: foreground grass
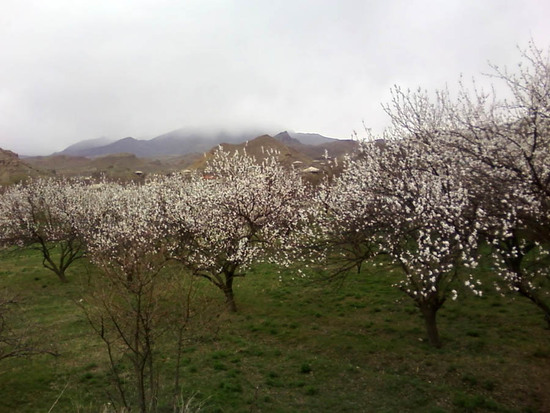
{"points": [[295, 346]]}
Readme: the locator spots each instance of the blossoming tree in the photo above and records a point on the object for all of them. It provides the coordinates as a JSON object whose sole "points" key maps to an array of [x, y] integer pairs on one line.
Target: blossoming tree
{"points": [[247, 213], [133, 301], [500, 148], [504, 145], [41, 214], [405, 202]]}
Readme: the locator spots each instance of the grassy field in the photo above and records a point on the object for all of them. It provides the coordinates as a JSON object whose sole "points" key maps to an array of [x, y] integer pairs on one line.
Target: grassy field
{"points": [[294, 346]]}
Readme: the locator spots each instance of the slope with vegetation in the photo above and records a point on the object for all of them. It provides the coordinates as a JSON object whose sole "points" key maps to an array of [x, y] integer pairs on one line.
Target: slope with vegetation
{"points": [[13, 169]]}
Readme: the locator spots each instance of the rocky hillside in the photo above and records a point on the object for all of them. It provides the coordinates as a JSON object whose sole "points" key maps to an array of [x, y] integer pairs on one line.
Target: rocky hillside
{"points": [[13, 169]]}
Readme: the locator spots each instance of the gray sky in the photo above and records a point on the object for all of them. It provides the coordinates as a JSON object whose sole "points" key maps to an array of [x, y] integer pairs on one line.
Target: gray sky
{"points": [[73, 70]]}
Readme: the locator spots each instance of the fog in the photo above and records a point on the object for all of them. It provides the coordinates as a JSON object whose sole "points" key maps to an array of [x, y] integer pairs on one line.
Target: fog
{"points": [[71, 71]]}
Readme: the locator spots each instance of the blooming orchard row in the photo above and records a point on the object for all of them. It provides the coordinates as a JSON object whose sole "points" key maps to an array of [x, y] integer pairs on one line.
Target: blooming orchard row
{"points": [[216, 228], [136, 234]]}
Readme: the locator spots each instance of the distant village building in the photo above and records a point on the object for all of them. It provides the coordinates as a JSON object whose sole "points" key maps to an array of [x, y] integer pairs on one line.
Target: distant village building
{"points": [[311, 170], [208, 176]]}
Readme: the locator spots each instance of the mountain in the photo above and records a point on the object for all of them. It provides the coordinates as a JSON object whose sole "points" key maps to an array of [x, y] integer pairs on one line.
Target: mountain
{"points": [[184, 141], [177, 142], [83, 145], [173, 151], [126, 145], [311, 138], [319, 146], [287, 139], [123, 165]]}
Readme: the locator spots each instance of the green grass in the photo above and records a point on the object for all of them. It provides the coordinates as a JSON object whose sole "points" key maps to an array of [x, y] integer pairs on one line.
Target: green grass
{"points": [[295, 346]]}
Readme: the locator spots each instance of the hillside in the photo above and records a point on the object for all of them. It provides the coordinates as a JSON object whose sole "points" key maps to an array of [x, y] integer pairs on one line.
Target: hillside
{"points": [[114, 166], [333, 147], [13, 169], [63, 164], [259, 148]]}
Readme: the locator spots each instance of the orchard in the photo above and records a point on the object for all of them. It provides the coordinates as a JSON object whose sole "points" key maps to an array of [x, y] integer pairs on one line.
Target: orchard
{"points": [[457, 182]]}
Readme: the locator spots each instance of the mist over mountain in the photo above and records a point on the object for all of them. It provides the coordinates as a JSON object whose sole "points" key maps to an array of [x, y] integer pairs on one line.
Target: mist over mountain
{"points": [[85, 144], [177, 142], [173, 151], [310, 138], [183, 142]]}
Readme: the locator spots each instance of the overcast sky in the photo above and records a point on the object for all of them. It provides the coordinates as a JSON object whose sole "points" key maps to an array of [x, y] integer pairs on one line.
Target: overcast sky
{"points": [[74, 70]]}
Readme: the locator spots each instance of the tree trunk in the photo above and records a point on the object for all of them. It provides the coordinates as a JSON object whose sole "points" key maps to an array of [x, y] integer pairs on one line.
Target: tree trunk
{"points": [[535, 299], [62, 277], [228, 291], [515, 264], [429, 313], [140, 375], [49, 263]]}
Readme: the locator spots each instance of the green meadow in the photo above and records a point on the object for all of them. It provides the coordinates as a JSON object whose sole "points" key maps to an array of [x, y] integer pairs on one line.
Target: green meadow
{"points": [[295, 345]]}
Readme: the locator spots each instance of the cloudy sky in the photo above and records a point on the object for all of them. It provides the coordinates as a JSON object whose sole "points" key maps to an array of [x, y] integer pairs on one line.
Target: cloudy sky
{"points": [[81, 69]]}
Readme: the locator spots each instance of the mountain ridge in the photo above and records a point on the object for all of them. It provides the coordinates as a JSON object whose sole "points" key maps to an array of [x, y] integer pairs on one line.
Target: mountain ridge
{"points": [[180, 142], [167, 153]]}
